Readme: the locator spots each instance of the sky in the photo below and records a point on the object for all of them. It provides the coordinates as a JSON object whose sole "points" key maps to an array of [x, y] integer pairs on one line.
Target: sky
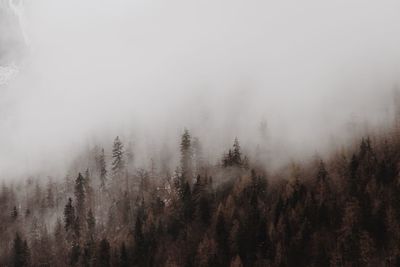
{"points": [[146, 69]]}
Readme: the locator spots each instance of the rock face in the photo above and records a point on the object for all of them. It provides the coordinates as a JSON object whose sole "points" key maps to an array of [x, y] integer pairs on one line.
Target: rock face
{"points": [[13, 43], [12, 40]]}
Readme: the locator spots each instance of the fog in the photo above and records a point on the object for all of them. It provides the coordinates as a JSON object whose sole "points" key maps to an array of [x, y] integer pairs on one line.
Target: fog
{"points": [[145, 70]]}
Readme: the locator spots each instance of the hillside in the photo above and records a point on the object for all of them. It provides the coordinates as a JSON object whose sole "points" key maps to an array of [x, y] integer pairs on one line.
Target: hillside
{"points": [[341, 212]]}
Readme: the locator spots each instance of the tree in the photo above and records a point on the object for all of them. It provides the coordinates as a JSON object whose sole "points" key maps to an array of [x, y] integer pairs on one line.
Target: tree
{"points": [[91, 225], [102, 168], [50, 195], [88, 189], [236, 262], [187, 202], [140, 248], [186, 156], [14, 213], [234, 157], [322, 183], [69, 215], [236, 154], [103, 256], [123, 256], [198, 155], [222, 237], [118, 162], [80, 198], [21, 254]]}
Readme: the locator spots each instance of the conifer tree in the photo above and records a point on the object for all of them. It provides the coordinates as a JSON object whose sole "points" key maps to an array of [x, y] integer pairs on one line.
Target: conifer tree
{"points": [[50, 195], [222, 238], [139, 240], [91, 225], [14, 213], [186, 156], [21, 254], [236, 154], [80, 198], [69, 215], [102, 168], [88, 189], [123, 256], [118, 161], [198, 155], [104, 255]]}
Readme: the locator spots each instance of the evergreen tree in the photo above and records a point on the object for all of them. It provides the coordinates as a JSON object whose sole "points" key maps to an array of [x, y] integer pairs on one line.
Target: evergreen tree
{"points": [[236, 154], [14, 213], [50, 195], [88, 189], [69, 215], [104, 254], [222, 238], [80, 198], [102, 168], [118, 161], [91, 225], [21, 254], [140, 249], [198, 155], [234, 157], [187, 202], [123, 256], [186, 156]]}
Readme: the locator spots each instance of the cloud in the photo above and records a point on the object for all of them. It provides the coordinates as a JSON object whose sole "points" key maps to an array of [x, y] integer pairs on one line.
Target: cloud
{"points": [[101, 68]]}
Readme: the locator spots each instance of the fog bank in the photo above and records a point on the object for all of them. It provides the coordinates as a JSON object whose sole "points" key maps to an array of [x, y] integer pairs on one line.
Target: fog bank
{"points": [[146, 69]]}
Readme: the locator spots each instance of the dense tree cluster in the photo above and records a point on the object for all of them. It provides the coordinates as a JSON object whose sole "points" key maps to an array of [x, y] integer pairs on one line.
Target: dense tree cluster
{"points": [[344, 211]]}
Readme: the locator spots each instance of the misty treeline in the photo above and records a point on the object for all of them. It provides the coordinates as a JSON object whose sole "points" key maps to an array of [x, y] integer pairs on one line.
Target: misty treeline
{"points": [[341, 211]]}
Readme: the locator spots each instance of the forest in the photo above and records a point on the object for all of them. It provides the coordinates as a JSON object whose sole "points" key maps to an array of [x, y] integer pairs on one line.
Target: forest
{"points": [[343, 210]]}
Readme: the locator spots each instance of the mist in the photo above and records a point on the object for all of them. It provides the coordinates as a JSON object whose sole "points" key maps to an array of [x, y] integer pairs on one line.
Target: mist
{"points": [[145, 70]]}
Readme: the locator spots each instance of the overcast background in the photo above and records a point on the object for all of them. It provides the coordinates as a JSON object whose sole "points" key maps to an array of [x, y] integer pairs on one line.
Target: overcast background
{"points": [[146, 69]]}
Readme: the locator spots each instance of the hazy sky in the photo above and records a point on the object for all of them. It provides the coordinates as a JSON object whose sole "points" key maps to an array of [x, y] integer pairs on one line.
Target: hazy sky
{"points": [[147, 69]]}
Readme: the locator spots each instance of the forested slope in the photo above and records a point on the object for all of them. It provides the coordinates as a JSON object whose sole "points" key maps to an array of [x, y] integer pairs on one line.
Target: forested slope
{"points": [[344, 211]]}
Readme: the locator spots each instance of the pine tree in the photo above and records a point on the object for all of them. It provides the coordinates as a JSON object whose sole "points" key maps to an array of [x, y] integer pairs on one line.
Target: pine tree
{"points": [[91, 225], [322, 183], [118, 163], [236, 154], [103, 254], [234, 157], [80, 198], [123, 256], [102, 168], [198, 155], [88, 189], [69, 215], [187, 202], [14, 213], [50, 195], [21, 254], [186, 156], [222, 238], [140, 249]]}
